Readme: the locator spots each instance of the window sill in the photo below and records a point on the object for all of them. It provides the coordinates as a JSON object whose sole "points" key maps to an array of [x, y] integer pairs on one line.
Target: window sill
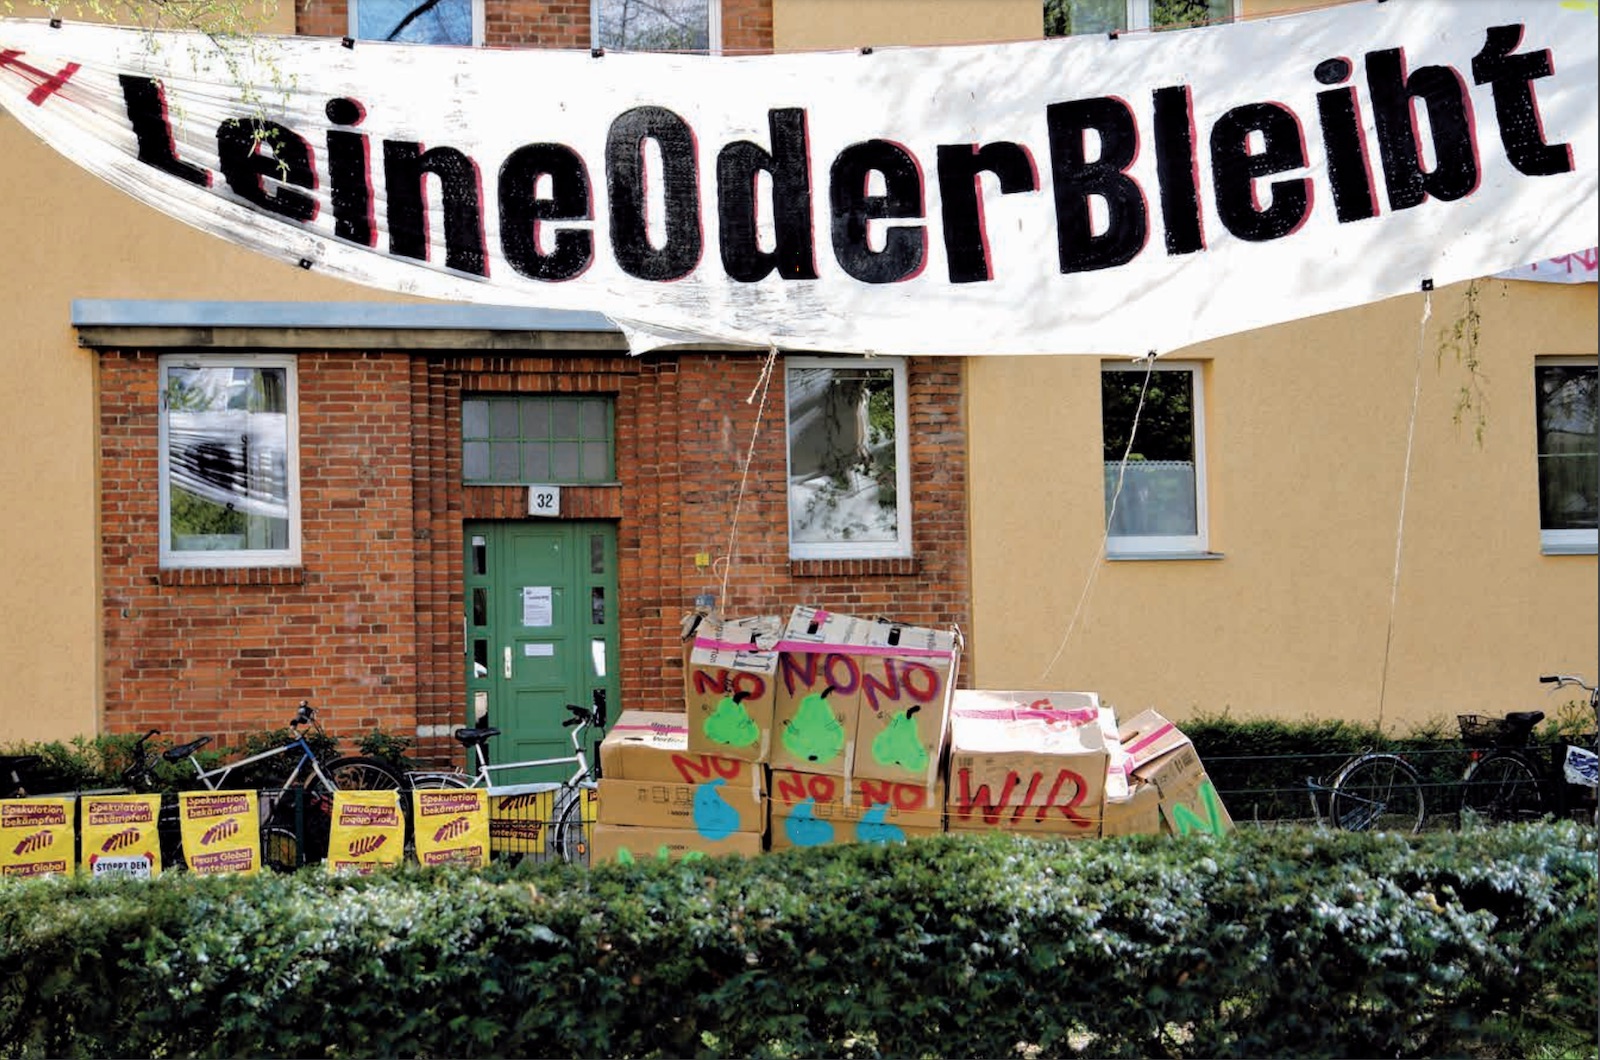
{"points": [[1142, 556], [191, 576], [1569, 550], [852, 568]]}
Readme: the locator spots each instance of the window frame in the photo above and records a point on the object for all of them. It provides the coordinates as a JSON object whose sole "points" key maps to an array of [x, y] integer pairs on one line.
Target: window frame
{"points": [[1136, 13], [353, 25], [1558, 542], [176, 559], [608, 403], [713, 25], [901, 546], [1127, 546]]}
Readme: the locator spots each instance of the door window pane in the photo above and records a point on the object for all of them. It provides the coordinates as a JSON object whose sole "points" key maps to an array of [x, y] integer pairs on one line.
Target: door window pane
{"points": [[228, 462], [1155, 501], [848, 478]]}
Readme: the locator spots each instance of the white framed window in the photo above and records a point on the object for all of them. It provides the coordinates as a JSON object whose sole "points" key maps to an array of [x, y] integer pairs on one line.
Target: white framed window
{"points": [[657, 25], [1567, 431], [848, 459], [229, 466], [1156, 499], [418, 21], [1066, 18]]}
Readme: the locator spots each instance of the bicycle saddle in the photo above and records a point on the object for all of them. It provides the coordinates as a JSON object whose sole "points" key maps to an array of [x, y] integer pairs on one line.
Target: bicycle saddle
{"points": [[182, 751], [1525, 718], [472, 736]]}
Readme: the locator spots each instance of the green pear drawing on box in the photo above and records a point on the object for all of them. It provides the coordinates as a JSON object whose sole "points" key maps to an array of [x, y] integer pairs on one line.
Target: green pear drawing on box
{"points": [[730, 724], [815, 734], [900, 744]]}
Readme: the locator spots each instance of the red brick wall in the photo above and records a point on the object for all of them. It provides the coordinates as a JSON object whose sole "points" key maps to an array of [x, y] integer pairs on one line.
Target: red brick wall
{"points": [[369, 628], [746, 24], [227, 652]]}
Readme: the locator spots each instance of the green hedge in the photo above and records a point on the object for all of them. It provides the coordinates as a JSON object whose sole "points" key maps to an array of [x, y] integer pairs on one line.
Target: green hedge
{"points": [[1284, 943]]}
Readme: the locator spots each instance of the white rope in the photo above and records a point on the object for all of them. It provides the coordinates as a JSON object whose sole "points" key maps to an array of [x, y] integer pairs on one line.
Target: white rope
{"points": [[1111, 511], [1405, 488], [762, 384]]}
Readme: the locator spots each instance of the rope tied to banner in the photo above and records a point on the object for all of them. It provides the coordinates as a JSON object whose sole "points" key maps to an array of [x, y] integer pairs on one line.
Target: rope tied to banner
{"points": [[763, 384], [1405, 489], [1111, 513]]}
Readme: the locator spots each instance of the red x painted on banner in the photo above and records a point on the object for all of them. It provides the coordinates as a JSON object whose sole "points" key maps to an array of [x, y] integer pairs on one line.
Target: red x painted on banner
{"points": [[45, 85]]}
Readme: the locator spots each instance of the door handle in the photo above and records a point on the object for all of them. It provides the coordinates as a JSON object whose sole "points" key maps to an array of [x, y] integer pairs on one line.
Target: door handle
{"points": [[508, 662]]}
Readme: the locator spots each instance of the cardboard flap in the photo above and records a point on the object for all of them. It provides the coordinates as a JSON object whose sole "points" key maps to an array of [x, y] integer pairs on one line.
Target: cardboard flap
{"points": [[983, 722]]}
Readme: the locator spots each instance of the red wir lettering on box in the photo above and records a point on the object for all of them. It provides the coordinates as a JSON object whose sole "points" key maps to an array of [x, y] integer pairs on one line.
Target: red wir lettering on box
{"points": [[993, 809]]}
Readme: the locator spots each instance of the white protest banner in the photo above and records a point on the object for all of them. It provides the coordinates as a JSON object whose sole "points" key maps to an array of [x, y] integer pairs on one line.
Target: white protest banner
{"points": [[1581, 267], [1081, 195]]}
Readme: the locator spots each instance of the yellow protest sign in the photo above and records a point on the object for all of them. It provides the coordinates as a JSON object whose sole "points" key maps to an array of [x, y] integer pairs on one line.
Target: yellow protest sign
{"points": [[367, 832], [221, 831], [119, 835], [519, 823], [37, 837], [451, 825]]}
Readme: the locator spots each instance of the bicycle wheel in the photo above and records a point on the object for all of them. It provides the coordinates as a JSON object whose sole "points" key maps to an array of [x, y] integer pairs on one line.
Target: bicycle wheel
{"points": [[280, 849], [1377, 793], [572, 832], [362, 774], [1501, 789]]}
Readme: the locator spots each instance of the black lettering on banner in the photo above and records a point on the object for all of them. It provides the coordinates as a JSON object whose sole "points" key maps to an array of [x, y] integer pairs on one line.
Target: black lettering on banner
{"points": [[625, 185], [405, 165], [350, 174], [1234, 170], [521, 212], [789, 166], [1177, 172], [249, 149], [904, 246], [1516, 110], [1077, 179], [1455, 171], [146, 101], [966, 241], [1349, 169]]}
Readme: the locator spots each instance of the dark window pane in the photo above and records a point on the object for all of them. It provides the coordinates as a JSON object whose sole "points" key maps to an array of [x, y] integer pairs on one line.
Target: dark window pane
{"points": [[1568, 412], [480, 606], [535, 417], [592, 421], [565, 420], [480, 556], [536, 461], [597, 554], [475, 460], [415, 21], [596, 461], [597, 606], [504, 465], [503, 419]]}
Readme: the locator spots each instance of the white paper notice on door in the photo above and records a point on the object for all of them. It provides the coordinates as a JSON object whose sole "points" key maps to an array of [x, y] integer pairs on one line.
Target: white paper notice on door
{"points": [[539, 651], [537, 608]]}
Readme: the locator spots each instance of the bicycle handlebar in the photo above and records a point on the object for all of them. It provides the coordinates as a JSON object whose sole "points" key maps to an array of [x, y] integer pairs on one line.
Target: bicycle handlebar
{"points": [[1563, 680]]}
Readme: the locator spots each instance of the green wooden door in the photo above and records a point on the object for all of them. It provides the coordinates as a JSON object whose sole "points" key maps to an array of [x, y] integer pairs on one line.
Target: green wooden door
{"points": [[541, 600]]}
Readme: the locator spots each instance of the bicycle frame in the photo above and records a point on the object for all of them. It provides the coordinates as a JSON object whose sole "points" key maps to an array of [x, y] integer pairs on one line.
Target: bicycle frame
{"points": [[215, 779], [483, 776]]}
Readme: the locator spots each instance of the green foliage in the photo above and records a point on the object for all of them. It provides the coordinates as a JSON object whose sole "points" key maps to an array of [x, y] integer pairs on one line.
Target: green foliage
{"points": [[1287, 943], [388, 747]]}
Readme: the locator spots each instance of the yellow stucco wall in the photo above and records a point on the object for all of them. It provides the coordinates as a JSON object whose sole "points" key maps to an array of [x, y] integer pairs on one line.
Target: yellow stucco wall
{"points": [[1305, 439], [70, 235], [814, 25]]}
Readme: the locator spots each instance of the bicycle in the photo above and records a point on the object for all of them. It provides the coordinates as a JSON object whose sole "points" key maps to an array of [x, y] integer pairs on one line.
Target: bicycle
{"points": [[1374, 791], [564, 828], [1506, 781], [312, 783], [12, 786]]}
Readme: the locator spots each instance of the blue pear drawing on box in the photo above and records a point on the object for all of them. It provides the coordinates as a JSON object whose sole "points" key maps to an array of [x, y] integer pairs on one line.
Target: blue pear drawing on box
{"points": [[713, 817], [803, 828], [874, 829]]}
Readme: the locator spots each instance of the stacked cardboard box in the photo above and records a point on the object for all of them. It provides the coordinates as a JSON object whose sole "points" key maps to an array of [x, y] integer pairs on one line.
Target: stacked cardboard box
{"points": [[729, 686], [661, 798], [1027, 762], [818, 809], [1162, 760]]}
